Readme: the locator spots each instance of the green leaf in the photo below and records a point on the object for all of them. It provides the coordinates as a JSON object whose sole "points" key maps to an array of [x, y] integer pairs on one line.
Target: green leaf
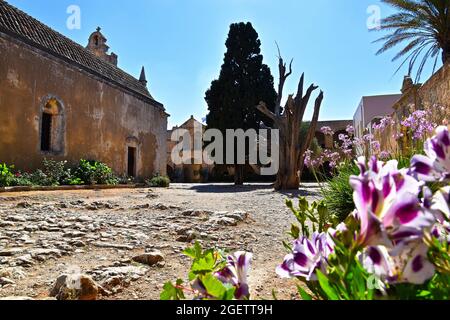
{"points": [[424, 294], [194, 252], [289, 204], [171, 292], [303, 204], [326, 286], [229, 294], [304, 294], [214, 286], [287, 246], [295, 231], [204, 264]]}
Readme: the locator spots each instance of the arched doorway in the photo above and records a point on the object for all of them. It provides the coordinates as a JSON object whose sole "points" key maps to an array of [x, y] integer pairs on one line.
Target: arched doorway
{"points": [[52, 129]]}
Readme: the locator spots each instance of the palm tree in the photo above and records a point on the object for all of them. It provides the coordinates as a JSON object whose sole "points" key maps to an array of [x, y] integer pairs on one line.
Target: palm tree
{"points": [[425, 25]]}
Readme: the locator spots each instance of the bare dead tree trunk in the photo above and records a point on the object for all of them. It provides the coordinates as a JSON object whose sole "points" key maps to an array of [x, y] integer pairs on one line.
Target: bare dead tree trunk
{"points": [[289, 122], [239, 174]]}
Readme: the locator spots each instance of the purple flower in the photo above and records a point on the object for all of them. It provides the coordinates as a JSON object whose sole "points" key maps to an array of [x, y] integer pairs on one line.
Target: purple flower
{"points": [[376, 146], [435, 166], [376, 260], [393, 222], [307, 256], [441, 203], [236, 273], [418, 124], [350, 130], [440, 206], [411, 266], [308, 159], [327, 131], [384, 123], [387, 204], [418, 269], [385, 155], [368, 137]]}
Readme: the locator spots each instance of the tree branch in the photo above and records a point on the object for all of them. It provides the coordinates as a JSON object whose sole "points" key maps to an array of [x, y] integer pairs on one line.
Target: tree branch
{"points": [[312, 130], [300, 89], [262, 107], [283, 77], [302, 104]]}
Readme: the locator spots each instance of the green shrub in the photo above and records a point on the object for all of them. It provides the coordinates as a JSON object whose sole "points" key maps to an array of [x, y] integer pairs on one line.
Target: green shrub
{"points": [[22, 180], [6, 175], [125, 179], [159, 181], [93, 172], [74, 182], [39, 178], [55, 173], [338, 194]]}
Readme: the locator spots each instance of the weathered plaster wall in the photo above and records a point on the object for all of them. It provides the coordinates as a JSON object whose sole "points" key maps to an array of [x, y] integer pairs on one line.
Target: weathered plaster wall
{"points": [[100, 119], [436, 91]]}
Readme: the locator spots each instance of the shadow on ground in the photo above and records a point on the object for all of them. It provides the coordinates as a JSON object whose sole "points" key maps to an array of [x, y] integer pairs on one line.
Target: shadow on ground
{"points": [[229, 188], [306, 190]]}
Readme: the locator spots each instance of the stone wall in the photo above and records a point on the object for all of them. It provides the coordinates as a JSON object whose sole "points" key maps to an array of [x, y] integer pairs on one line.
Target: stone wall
{"points": [[100, 120], [433, 95]]}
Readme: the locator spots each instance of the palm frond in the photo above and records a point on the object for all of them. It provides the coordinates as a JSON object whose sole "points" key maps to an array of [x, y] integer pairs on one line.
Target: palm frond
{"points": [[425, 24]]}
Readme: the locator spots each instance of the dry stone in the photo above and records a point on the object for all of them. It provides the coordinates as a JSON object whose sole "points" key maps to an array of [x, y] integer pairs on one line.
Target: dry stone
{"points": [[149, 258]]}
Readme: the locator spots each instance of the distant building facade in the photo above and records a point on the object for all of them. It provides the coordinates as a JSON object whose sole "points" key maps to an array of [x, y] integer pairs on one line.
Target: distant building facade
{"points": [[188, 172], [370, 111], [62, 101]]}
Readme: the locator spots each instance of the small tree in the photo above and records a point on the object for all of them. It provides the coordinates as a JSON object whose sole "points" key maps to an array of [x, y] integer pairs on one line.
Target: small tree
{"points": [[293, 145]]}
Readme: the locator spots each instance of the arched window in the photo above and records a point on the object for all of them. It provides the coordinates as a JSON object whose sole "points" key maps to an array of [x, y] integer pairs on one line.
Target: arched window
{"points": [[52, 126]]}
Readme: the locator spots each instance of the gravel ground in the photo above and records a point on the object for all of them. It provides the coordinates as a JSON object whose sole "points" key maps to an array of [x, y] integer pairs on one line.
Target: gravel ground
{"points": [[98, 232]]}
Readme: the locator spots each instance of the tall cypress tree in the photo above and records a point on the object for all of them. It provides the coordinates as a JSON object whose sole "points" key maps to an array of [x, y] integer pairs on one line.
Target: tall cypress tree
{"points": [[244, 81]]}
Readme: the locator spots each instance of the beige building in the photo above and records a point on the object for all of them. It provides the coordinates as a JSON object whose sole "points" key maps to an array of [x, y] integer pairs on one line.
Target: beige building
{"points": [[63, 101], [189, 173]]}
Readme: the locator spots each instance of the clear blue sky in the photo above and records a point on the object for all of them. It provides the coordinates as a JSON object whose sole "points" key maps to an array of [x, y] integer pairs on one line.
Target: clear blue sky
{"points": [[181, 44]]}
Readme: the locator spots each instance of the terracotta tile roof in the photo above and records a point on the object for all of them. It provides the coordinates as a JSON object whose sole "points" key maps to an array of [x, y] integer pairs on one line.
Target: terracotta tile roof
{"points": [[20, 25]]}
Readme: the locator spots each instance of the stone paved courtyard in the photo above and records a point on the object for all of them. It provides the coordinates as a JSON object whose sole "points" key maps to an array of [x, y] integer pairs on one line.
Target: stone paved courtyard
{"points": [[46, 234]]}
